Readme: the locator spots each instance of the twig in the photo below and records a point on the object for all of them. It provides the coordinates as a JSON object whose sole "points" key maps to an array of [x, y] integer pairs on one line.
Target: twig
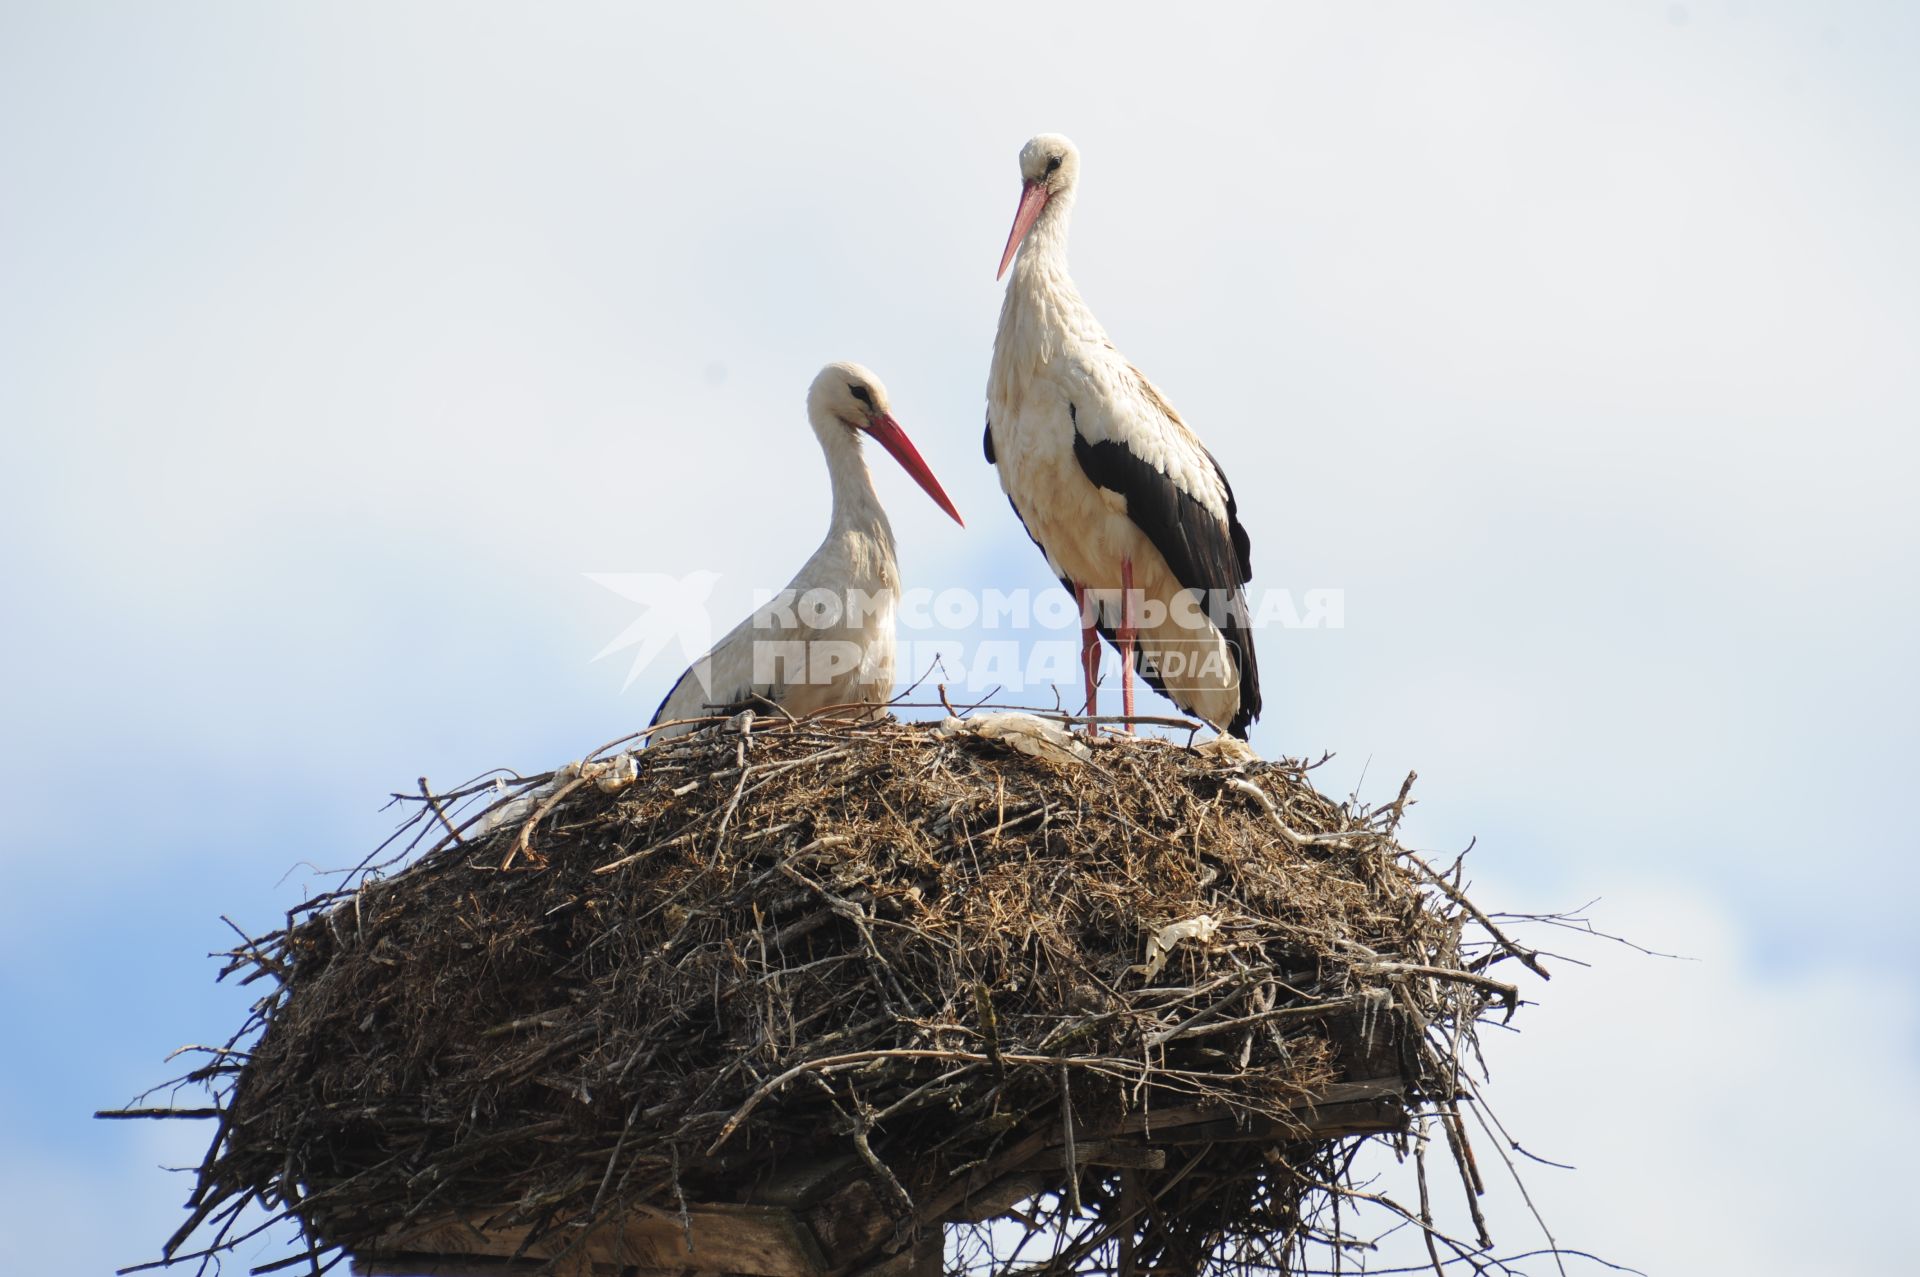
{"points": [[1292, 835], [990, 1031], [523, 845], [1066, 1133], [439, 811], [1527, 956], [1509, 993], [1426, 1201], [834, 1063], [861, 1121], [1399, 805]]}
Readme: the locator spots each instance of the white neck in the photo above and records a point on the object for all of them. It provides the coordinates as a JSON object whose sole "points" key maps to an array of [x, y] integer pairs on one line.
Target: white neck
{"points": [[1042, 263], [855, 503], [1042, 316]]}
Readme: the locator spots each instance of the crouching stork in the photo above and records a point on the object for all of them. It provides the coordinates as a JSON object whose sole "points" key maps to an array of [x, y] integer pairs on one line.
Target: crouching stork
{"points": [[827, 639]]}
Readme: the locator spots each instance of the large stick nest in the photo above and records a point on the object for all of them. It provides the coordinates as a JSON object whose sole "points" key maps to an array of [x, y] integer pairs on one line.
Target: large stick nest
{"points": [[953, 965]]}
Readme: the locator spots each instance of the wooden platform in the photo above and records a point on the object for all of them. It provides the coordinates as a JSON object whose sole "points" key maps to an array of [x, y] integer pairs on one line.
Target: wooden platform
{"points": [[828, 1219]]}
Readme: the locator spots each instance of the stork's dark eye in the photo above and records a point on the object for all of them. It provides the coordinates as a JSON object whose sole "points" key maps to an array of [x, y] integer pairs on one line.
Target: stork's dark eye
{"points": [[861, 393], [1053, 162]]}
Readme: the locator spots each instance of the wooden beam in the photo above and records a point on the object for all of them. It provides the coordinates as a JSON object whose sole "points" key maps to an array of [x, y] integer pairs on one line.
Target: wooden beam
{"points": [[852, 1223], [1329, 1121], [1132, 1153], [824, 1218], [1152, 1122], [805, 1184], [1001, 1196], [404, 1265], [925, 1258], [756, 1241]]}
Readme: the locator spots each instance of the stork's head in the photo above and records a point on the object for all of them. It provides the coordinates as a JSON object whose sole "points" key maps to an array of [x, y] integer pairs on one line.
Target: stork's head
{"points": [[846, 395], [1049, 166]]}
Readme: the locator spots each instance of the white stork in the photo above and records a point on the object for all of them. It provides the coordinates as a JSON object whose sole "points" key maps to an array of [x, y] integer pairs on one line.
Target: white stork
{"points": [[1133, 513], [828, 639]]}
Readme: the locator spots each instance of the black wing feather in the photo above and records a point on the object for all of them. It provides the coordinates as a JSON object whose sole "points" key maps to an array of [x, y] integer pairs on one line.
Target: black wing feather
{"points": [[1189, 537]]}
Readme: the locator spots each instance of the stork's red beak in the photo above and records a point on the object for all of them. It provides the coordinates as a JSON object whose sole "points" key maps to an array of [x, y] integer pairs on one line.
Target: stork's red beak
{"points": [[1033, 198], [894, 440]]}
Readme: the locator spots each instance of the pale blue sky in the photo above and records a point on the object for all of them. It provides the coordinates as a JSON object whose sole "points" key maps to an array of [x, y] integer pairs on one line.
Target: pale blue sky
{"points": [[1574, 343]]}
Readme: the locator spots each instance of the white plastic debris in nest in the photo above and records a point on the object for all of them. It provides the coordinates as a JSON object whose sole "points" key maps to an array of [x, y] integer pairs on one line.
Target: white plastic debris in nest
{"points": [[1160, 944], [1027, 733], [608, 775], [1227, 749], [614, 774]]}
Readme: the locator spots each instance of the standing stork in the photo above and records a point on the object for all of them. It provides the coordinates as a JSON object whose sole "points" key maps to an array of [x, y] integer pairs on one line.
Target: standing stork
{"points": [[828, 639], [1133, 513]]}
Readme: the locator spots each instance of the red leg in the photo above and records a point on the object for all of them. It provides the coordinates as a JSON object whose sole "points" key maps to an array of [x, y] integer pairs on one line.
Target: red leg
{"points": [[1089, 656], [1129, 631]]}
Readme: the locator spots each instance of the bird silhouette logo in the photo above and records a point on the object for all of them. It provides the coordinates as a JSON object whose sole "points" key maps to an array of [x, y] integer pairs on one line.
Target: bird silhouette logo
{"points": [[673, 612]]}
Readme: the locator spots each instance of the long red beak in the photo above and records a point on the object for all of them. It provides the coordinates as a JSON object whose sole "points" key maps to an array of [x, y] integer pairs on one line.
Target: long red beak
{"points": [[894, 440], [1033, 198]]}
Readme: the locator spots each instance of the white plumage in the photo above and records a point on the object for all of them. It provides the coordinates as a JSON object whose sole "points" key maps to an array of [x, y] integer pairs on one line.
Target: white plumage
{"points": [[828, 638], [1111, 484]]}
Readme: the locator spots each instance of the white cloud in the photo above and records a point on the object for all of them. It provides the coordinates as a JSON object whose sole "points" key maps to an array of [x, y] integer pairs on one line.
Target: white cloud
{"points": [[1724, 1114]]}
